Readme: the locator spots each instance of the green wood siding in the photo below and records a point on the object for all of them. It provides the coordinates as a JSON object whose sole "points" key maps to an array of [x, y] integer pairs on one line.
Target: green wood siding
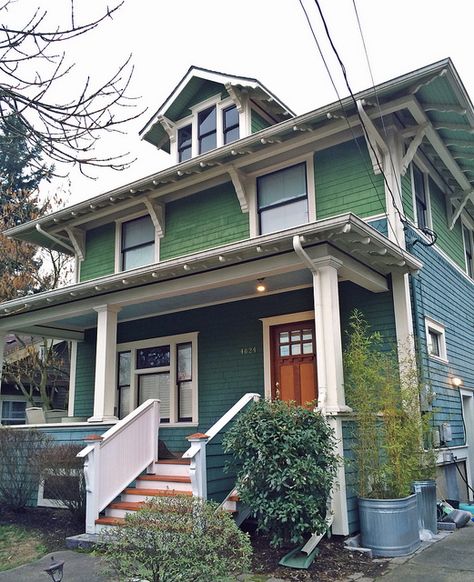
{"points": [[450, 241], [345, 182], [258, 122], [100, 253], [85, 374], [407, 195], [195, 92], [202, 221]]}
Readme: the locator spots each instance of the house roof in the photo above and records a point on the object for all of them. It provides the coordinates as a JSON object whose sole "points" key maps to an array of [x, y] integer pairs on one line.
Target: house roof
{"points": [[432, 97], [184, 95]]}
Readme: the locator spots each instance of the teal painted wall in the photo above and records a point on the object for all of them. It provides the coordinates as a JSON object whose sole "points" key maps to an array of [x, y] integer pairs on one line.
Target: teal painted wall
{"points": [[100, 252], [345, 182], [407, 195], [258, 122], [202, 221], [85, 373]]}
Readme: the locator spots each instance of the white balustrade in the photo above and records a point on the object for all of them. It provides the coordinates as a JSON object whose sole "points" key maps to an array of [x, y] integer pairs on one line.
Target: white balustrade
{"points": [[197, 451], [119, 456]]}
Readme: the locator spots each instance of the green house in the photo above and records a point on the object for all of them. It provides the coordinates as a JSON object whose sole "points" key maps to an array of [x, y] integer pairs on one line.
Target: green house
{"points": [[231, 275]]}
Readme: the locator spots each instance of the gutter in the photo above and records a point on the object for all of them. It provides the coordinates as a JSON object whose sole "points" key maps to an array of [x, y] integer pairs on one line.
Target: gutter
{"points": [[306, 260]]}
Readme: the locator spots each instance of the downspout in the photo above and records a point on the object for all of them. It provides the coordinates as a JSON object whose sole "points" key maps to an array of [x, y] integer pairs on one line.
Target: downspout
{"points": [[306, 260], [55, 239]]}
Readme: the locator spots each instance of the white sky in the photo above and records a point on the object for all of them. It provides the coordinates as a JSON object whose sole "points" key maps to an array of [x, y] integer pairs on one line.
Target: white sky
{"points": [[266, 39]]}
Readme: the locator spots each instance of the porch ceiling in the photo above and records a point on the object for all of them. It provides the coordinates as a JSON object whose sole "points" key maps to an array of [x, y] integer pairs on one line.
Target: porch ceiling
{"points": [[214, 276]]}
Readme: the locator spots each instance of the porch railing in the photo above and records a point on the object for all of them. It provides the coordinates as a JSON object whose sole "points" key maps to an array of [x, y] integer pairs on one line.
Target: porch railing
{"points": [[197, 451], [118, 456]]}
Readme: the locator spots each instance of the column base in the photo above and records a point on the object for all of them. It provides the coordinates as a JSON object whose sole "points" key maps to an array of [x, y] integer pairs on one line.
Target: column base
{"points": [[102, 419], [342, 409]]}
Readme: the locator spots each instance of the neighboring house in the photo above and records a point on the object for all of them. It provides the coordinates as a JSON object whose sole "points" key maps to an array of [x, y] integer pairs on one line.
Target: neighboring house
{"points": [[235, 271], [13, 402]]}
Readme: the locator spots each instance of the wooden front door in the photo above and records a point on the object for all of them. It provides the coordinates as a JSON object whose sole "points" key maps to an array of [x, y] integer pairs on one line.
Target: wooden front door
{"points": [[293, 349]]}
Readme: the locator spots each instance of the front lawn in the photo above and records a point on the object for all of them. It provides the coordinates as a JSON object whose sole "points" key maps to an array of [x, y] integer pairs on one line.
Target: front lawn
{"points": [[19, 546]]}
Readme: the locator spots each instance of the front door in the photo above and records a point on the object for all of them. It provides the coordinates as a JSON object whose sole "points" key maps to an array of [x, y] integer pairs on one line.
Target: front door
{"points": [[293, 349]]}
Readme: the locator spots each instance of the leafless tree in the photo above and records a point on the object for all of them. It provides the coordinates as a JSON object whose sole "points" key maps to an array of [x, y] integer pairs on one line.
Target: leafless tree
{"points": [[34, 65]]}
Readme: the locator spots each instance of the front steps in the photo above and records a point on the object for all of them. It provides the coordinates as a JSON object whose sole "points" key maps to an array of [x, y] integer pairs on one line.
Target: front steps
{"points": [[171, 479]]}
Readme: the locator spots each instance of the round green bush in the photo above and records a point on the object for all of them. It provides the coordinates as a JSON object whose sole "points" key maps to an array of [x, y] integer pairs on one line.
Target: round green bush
{"points": [[287, 468], [177, 539]]}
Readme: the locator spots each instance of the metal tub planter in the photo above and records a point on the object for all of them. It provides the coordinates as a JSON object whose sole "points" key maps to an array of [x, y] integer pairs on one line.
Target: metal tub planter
{"points": [[389, 527]]}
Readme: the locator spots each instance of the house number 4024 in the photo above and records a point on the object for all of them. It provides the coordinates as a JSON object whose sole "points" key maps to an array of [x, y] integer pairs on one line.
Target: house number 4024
{"points": [[248, 350]]}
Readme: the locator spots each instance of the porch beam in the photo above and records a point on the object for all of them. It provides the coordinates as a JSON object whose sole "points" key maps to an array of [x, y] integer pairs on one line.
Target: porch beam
{"points": [[105, 364], [238, 180], [51, 332]]}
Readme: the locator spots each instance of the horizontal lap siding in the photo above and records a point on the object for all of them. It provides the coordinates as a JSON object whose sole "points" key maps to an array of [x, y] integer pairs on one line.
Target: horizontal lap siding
{"points": [[345, 182], [445, 295], [351, 476], [202, 221], [99, 258], [407, 196], [258, 122], [85, 374]]}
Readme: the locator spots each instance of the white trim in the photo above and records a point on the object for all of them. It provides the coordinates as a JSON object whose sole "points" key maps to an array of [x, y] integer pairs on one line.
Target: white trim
{"points": [[470, 234], [426, 182], [43, 501], [118, 239], [268, 322], [438, 329], [172, 341], [72, 377]]}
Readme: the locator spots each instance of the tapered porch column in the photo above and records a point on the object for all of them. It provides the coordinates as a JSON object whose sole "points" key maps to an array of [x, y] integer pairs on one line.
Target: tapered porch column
{"points": [[105, 363], [328, 336]]}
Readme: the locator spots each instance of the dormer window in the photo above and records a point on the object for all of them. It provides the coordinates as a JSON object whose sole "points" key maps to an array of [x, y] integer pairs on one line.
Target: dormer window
{"points": [[207, 129], [230, 124], [185, 143]]}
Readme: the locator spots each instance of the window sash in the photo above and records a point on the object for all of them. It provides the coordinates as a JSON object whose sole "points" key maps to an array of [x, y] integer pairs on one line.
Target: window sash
{"points": [[207, 129], [420, 197], [230, 128], [137, 242], [468, 251]]}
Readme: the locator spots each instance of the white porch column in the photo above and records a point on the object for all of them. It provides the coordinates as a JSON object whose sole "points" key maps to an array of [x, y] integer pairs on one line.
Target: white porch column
{"points": [[105, 363], [328, 336], [403, 318]]}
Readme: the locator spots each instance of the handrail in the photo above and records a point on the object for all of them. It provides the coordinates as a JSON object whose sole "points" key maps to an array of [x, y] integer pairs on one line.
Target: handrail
{"points": [[225, 419], [110, 466]]}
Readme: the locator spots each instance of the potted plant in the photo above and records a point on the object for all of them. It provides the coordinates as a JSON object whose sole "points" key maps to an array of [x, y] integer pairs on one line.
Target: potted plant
{"points": [[387, 440]]}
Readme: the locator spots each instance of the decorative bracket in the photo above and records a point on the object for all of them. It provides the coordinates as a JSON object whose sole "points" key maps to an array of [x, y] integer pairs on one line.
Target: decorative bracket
{"points": [[168, 126], [78, 240], [237, 96], [412, 148], [375, 143], [238, 180], [156, 211], [467, 196]]}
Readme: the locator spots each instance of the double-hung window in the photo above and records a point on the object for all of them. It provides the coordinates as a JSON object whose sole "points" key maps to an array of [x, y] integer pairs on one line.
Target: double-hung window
{"points": [[138, 243], [421, 198], [185, 143], [282, 199], [230, 124], [162, 368], [468, 250], [207, 129]]}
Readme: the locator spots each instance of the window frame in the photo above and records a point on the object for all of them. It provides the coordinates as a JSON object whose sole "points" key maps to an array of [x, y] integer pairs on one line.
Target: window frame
{"points": [[11, 400], [221, 105], [118, 242], [438, 329], [310, 189], [173, 341], [468, 259], [427, 201]]}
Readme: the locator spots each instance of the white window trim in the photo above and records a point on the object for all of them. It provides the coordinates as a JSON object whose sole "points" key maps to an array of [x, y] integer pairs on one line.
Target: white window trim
{"points": [[118, 240], [426, 175], [439, 329], [268, 322], [43, 501], [193, 121], [172, 341], [252, 188], [464, 227]]}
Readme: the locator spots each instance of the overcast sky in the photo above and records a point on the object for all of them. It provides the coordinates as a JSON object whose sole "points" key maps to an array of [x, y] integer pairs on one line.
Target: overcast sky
{"points": [[269, 40]]}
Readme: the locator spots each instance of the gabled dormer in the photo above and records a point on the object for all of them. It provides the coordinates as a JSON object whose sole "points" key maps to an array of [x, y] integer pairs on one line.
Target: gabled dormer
{"points": [[208, 109]]}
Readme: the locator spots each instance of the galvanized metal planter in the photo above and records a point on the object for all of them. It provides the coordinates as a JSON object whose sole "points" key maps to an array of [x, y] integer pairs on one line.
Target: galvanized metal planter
{"points": [[389, 527], [426, 502]]}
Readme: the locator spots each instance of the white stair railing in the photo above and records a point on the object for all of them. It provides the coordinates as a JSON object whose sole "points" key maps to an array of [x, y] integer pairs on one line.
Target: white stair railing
{"points": [[197, 451], [118, 456]]}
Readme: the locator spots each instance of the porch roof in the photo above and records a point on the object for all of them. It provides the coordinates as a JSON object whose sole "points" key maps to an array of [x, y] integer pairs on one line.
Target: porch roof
{"points": [[216, 275]]}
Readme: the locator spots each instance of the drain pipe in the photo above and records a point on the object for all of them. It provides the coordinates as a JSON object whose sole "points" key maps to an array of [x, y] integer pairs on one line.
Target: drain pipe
{"points": [[322, 375], [55, 239]]}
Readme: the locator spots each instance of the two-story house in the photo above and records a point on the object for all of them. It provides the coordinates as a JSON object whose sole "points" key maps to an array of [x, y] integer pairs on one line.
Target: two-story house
{"points": [[234, 271]]}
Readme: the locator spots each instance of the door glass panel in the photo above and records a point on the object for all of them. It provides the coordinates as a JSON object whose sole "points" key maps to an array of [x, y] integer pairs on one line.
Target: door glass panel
{"points": [[308, 348], [185, 401], [284, 337], [156, 357], [124, 368], [295, 336], [296, 349], [284, 350], [184, 362], [156, 386], [307, 334], [124, 401]]}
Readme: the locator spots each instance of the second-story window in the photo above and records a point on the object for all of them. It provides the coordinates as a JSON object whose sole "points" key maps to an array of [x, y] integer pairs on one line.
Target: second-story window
{"points": [[207, 129], [185, 143], [138, 243], [230, 124], [421, 202], [282, 198], [468, 250]]}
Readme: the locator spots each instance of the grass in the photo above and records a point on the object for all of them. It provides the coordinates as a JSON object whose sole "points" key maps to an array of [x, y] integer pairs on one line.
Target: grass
{"points": [[18, 546]]}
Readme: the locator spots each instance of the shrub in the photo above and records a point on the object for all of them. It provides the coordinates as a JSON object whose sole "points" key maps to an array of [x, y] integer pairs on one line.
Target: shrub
{"points": [[288, 465], [177, 539], [63, 477], [19, 469]]}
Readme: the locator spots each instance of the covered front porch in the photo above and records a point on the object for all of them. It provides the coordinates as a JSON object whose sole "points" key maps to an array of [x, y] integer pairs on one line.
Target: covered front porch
{"points": [[196, 334]]}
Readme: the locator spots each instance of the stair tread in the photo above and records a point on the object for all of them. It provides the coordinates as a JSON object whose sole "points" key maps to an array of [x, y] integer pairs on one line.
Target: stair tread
{"points": [[132, 505], [233, 498], [110, 520], [156, 492], [172, 478], [178, 461]]}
